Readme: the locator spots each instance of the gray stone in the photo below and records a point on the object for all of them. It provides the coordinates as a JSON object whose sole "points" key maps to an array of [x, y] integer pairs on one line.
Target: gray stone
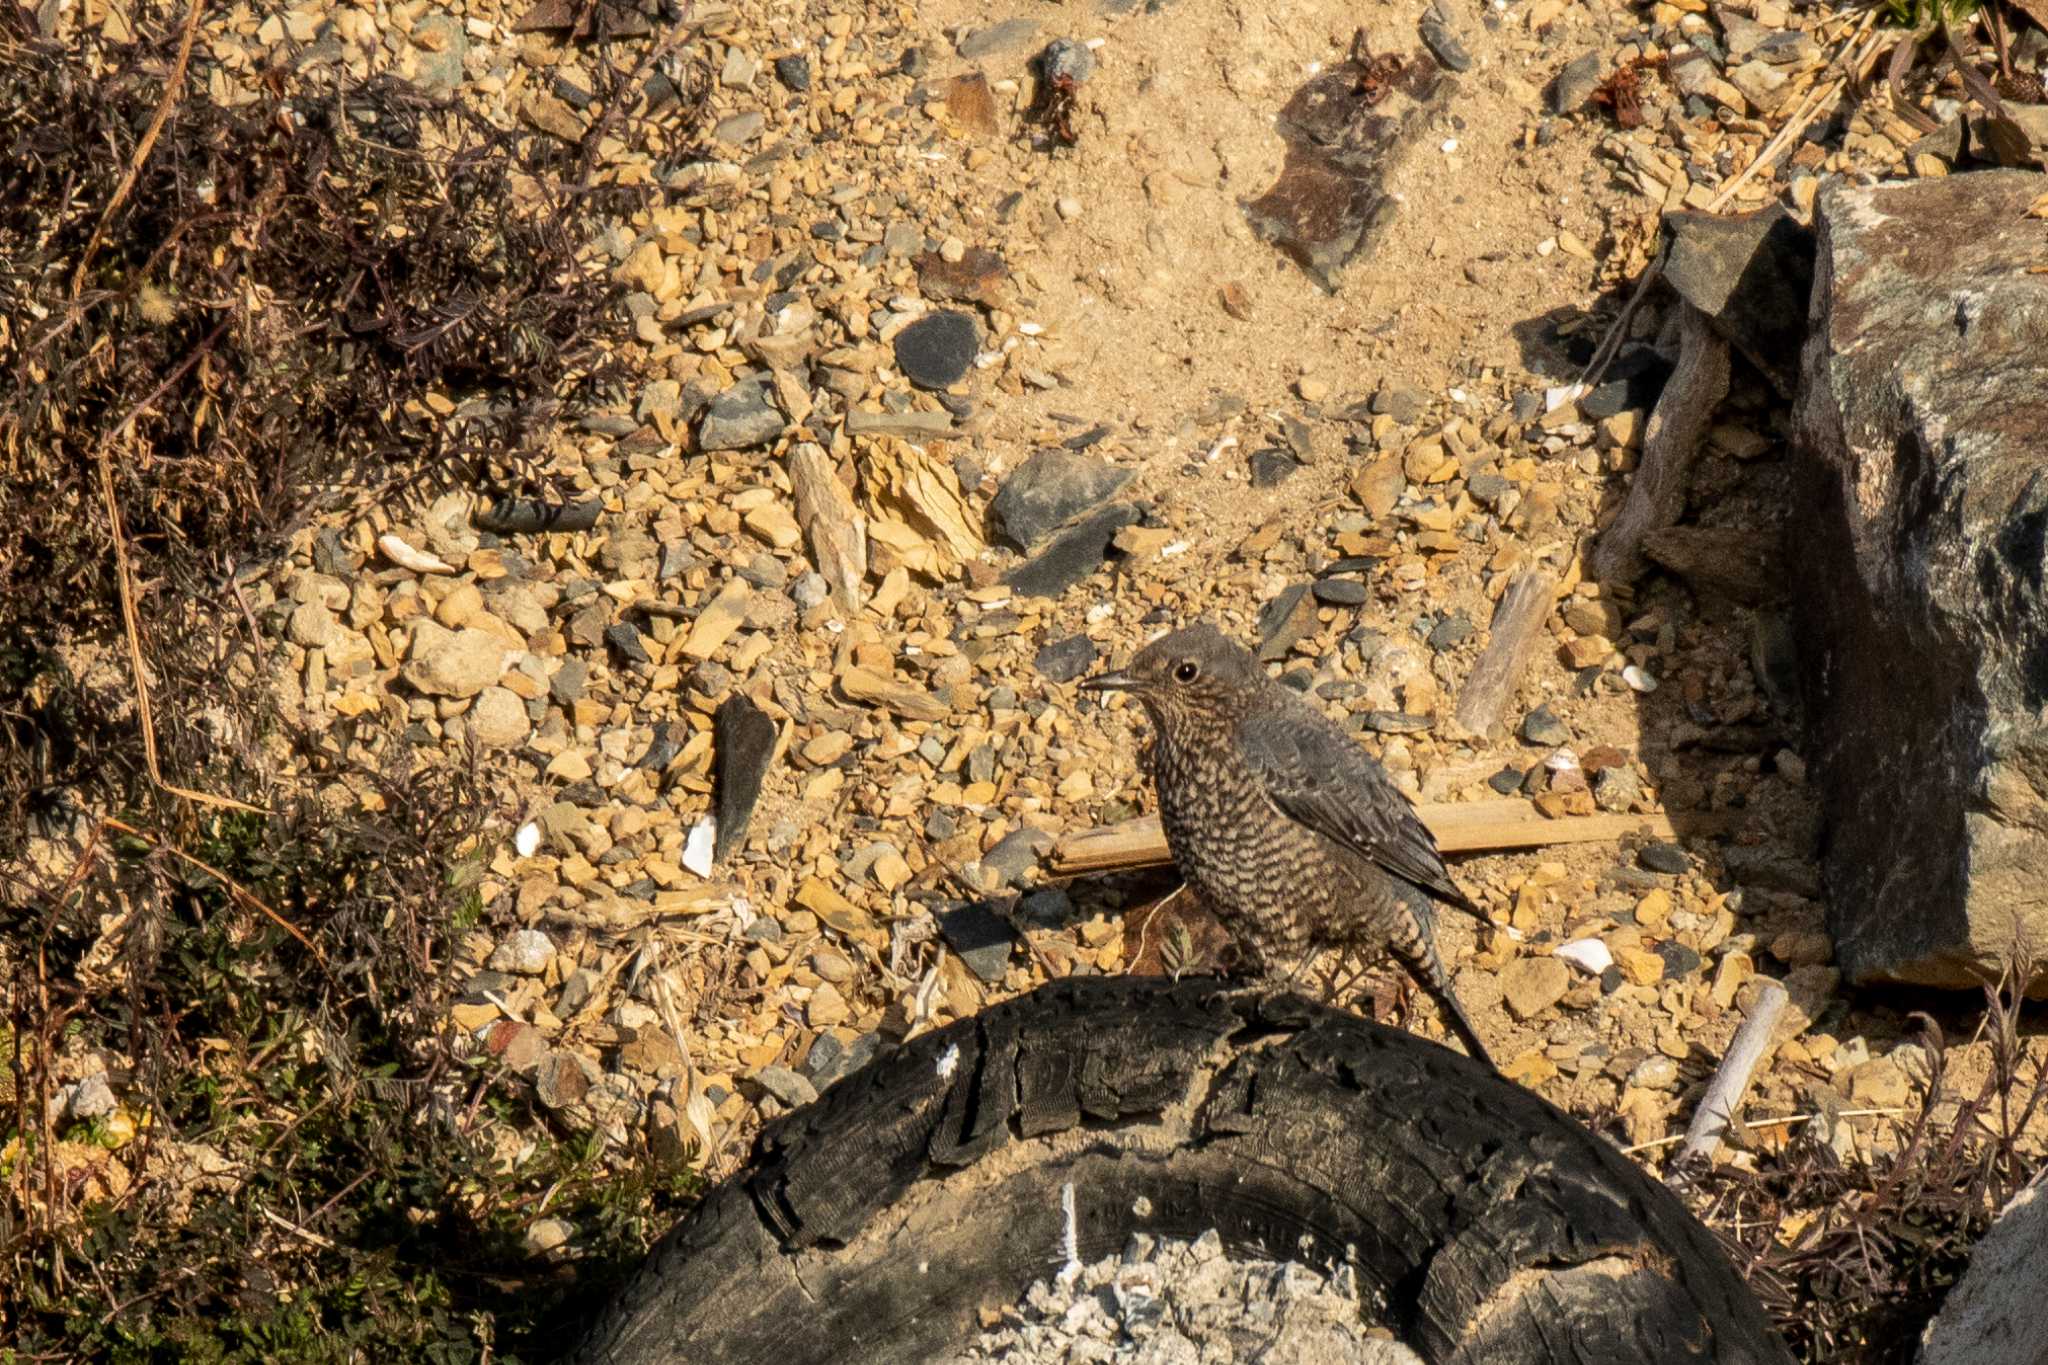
{"points": [[1576, 84], [1617, 789], [525, 951], [443, 44], [1751, 276], [1541, 726], [1923, 553], [1271, 466], [1011, 33], [311, 625], [740, 128], [92, 1098], [1065, 660], [739, 419], [498, 718], [1669, 859], [1073, 554], [626, 640], [1017, 853], [937, 350], [1452, 631], [1998, 1305], [1065, 59], [568, 682], [981, 937], [1402, 402], [785, 1085], [745, 739], [1442, 43], [1285, 619], [794, 72], [1047, 491], [453, 663], [1339, 592]]}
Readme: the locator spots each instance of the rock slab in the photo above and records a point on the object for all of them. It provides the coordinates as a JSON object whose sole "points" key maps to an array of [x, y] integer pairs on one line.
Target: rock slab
{"points": [[1922, 617]]}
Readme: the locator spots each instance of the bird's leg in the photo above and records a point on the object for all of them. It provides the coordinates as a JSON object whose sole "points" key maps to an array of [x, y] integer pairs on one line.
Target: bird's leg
{"points": [[1301, 964]]}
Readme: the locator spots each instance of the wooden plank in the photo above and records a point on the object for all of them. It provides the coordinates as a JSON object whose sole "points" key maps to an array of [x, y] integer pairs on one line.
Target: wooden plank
{"points": [[1517, 628], [1459, 827]]}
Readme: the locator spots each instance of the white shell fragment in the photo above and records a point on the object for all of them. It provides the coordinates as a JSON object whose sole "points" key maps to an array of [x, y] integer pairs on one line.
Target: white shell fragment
{"points": [[698, 847], [526, 839], [406, 557], [1589, 955], [1638, 680]]}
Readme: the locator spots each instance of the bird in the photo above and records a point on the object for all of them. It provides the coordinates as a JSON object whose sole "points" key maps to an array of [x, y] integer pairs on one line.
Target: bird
{"points": [[1293, 834]]}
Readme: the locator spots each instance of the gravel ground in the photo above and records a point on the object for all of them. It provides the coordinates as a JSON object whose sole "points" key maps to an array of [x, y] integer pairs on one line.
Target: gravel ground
{"points": [[1187, 1303]]}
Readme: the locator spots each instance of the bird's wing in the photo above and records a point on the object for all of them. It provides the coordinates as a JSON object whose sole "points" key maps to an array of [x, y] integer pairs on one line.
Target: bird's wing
{"points": [[1317, 777]]}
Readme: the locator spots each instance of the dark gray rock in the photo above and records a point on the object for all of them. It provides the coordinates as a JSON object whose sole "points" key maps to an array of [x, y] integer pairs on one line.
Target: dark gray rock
{"points": [[744, 740], [1339, 592], [1271, 466], [1679, 960], [567, 684], [524, 516], [1442, 43], [1285, 619], [937, 350], [626, 640], [1669, 859], [1017, 853], [980, 936], [1576, 83], [794, 72], [1065, 660], [1923, 552], [1487, 488], [1073, 554], [1752, 277], [1607, 400], [1047, 491], [1454, 630], [662, 749], [1542, 726], [1402, 402], [739, 419]]}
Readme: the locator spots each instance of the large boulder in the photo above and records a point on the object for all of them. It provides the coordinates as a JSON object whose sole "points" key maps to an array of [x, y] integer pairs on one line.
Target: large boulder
{"points": [[1922, 548]]}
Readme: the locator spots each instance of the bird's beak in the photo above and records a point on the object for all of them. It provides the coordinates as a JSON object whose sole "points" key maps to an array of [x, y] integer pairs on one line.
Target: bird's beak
{"points": [[1118, 681]]}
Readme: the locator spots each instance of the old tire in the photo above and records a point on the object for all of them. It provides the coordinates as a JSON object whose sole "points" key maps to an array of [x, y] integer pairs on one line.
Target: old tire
{"points": [[1489, 1225]]}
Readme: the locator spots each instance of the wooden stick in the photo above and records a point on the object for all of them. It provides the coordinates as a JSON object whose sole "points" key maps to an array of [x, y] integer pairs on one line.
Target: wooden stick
{"points": [[1725, 1091], [1671, 445], [1517, 627], [1459, 827]]}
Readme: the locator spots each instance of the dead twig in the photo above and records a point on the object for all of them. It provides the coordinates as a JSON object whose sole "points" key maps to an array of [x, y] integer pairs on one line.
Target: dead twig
{"points": [[173, 88], [1724, 1093], [235, 888]]}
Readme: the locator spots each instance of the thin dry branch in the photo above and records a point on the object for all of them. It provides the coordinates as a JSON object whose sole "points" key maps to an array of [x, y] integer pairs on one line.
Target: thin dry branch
{"points": [[235, 888], [173, 88]]}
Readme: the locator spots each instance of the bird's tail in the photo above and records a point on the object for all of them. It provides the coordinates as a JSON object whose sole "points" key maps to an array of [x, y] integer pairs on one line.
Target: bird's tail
{"points": [[1419, 959]]}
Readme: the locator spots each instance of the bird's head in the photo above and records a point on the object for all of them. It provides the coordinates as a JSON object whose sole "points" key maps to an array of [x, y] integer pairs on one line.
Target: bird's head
{"points": [[1195, 670]]}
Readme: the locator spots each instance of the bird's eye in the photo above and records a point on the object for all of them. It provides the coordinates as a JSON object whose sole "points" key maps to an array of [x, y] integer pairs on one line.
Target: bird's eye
{"points": [[1186, 671]]}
